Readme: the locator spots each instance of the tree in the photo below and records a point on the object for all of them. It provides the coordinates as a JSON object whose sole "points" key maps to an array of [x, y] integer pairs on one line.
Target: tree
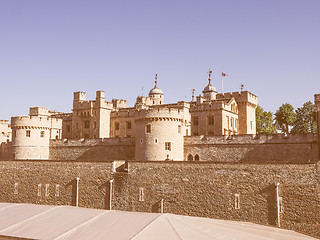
{"points": [[264, 121], [285, 117], [305, 119]]}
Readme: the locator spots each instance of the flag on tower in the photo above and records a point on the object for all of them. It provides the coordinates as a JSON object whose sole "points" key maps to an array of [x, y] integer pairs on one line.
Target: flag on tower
{"points": [[223, 74]]}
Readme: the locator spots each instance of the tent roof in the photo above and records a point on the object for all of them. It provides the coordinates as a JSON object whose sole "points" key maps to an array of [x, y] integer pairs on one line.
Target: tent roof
{"points": [[67, 222]]}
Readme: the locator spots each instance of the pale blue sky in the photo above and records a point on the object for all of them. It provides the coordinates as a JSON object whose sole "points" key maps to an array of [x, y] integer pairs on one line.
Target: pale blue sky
{"points": [[51, 48]]}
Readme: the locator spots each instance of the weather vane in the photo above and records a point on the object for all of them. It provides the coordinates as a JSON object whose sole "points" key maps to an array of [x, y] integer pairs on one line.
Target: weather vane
{"points": [[156, 78], [193, 90], [209, 75], [242, 86]]}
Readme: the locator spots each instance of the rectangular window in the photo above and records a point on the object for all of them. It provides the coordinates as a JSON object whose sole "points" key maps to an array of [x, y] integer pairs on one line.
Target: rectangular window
{"points": [[141, 194], [232, 124], [210, 120], [179, 129], [128, 124], [187, 132], [95, 124], [156, 140], [195, 121], [228, 123], [47, 190], [116, 125], [68, 128], [57, 192], [16, 188], [237, 201], [86, 124], [168, 146], [251, 124], [141, 140], [148, 128], [39, 190], [42, 134], [28, 133]]}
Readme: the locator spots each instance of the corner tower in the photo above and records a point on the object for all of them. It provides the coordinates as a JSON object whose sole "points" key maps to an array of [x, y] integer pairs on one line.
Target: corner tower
{"points": [[159, 134]]}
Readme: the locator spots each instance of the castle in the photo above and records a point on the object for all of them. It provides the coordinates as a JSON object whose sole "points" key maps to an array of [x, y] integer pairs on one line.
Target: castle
{"points": [[159, 129], [199, 158]]}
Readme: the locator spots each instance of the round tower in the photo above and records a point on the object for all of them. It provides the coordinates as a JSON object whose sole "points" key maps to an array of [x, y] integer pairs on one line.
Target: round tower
{"points": [[158, 134], [30, 137]]}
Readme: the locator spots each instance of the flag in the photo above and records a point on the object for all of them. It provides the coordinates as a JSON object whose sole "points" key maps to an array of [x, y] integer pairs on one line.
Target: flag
{"points": [[223, 74]]}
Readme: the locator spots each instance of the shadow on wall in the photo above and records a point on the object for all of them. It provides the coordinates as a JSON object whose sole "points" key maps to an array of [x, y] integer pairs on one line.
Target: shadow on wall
{"points": [[295, 148], [156, 208], [270, 192], [293, 153], [106, 187], [107, 153], [72, 186]]}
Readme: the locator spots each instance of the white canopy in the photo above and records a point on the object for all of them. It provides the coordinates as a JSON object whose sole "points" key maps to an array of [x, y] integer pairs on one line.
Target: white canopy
{"points": [[66, 222]]}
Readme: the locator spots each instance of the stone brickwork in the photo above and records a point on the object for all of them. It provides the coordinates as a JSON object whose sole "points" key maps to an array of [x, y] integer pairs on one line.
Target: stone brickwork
{"points": [[104, 149], [294, 148], [244, 192]]}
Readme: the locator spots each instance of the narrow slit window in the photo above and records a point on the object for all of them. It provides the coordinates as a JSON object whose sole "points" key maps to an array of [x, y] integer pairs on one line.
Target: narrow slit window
{"points": [[39, 190], [16, 190], [47, 192], [57, 192], [237, 201], [141, 194]]}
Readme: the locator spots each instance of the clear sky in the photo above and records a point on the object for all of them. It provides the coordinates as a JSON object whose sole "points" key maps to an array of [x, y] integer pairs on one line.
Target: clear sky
{"points": [[51, 48]]}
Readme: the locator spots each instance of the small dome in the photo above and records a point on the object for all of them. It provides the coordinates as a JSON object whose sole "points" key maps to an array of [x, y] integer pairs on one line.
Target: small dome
{"points": [[209, 88], [155, 90]]}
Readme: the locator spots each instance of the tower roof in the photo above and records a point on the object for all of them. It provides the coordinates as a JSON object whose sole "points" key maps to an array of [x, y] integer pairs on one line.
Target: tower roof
{"points": [[209, 87], [155, 89]]}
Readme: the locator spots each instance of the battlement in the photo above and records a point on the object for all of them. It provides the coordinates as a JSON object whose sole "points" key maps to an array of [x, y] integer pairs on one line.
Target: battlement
{"points": [[79, 96], [171, 113], [206, 105], [39, 111], [35, 121], [252, 139], [123, 112], [244, 96], [119, 103], [5, 122]]}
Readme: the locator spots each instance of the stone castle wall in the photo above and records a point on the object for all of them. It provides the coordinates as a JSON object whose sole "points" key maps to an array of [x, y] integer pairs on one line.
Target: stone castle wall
{"points": [[196, 189], [103, 149], [294, 148]]}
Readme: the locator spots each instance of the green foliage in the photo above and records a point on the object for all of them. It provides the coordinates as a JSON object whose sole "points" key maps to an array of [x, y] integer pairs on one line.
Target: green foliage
{"points": [[264, 121], [285, 117], [305, 119]]}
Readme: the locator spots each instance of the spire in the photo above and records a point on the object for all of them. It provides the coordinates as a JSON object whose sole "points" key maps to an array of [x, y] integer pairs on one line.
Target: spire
{"points": [[156, 79], [209, 75]]}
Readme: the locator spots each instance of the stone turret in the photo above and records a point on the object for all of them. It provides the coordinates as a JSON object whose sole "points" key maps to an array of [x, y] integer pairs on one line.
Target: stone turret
{"points": [[31, 134], [159, 134], [317, 103]]}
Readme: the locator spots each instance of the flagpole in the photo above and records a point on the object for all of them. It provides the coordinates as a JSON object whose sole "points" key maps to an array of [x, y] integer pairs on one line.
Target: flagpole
{"points": [[221, 82]]}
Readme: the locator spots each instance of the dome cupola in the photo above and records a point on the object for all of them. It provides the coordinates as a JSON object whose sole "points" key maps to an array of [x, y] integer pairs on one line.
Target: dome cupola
{"points": [[209, 92], [156, 94]]}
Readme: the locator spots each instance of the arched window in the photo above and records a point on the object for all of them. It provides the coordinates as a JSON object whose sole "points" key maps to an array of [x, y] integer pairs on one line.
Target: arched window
{"points": [[196, 157], [190, 157]]}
